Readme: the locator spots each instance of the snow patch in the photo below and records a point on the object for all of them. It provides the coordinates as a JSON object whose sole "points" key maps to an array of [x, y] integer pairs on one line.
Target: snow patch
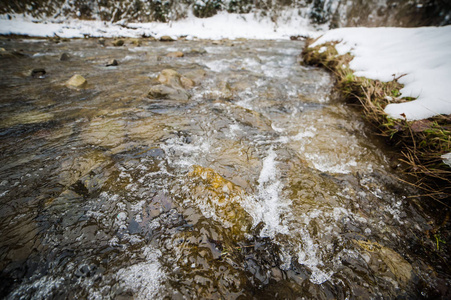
{"points": [[420, 55]]}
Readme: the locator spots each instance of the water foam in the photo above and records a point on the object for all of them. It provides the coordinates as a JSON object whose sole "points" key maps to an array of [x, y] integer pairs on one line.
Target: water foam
{"points": [[268, 206], [144, 278]]}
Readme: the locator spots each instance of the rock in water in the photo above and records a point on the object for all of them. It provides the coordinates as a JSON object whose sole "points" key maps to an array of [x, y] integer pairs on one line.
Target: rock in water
{"points": [[169, 77], [112, 63], [175, 54], [166, 92], [196, 75], [186, 82], [65, 57], [102, 41], [76, 81], [38, 73], [118, 43], [166, 38]]}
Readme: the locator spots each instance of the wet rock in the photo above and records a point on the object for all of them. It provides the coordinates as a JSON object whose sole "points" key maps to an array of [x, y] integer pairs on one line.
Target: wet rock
{"points": [[186, 82], [166, 38], [166, 92], [74, 168], [118, 43], [101, 41], [112, 63], [197, 51], [384, 261], [38, 73], [65, 57], [196, 75], [30, 117], [175, 54], [105, 132], [77, 81], [10, 54], [170, 77], [222, 196]]}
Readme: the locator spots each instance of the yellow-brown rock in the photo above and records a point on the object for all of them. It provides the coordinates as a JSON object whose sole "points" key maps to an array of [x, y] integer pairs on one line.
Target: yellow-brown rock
{"points": [[77, 81], [175, 54]]}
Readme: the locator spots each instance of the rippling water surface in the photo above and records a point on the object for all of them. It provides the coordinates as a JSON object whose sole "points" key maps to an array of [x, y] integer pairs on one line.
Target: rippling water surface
{"points": [[257, 184]]}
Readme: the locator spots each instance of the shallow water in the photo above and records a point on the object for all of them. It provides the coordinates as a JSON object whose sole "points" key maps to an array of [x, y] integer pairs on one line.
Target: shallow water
{"points": [[260, 185]]}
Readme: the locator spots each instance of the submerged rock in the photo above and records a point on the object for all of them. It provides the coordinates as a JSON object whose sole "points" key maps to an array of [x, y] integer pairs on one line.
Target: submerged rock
{"points": [[384, 261], [77, 81], [175, 54], [196, 75], [30, 117], [166, 92], [186, 82], [222, 196], [65, 57]]}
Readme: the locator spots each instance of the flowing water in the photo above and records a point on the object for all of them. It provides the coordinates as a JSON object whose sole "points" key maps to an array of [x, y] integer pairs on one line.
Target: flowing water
{"points": [[253, 183]]}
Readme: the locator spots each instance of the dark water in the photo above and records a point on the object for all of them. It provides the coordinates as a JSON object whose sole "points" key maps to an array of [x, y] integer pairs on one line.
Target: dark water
{"points": [[253, 183]]}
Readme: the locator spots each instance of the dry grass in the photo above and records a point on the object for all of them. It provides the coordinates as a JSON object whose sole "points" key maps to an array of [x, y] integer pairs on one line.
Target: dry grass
{"points": [[422, 143]]}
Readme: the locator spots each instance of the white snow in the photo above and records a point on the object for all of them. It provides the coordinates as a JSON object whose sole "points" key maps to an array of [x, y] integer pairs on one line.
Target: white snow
{"points": [[222, 25], [423, 54]]}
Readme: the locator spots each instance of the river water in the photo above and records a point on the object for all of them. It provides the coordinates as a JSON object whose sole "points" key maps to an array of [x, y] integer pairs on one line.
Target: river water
{"points": [[249, 180]]}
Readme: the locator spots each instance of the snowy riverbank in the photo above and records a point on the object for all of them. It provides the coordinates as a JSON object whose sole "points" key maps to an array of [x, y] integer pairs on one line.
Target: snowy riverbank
{"points": [[421, 57], [222, 25]]}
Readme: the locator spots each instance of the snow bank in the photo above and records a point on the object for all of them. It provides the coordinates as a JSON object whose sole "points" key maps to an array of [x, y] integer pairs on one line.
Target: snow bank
{"points": [[423, 54], [222, 25]]}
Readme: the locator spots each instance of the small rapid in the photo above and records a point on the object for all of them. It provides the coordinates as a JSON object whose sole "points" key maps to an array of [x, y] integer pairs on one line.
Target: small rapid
{"points": [[241, 176]]}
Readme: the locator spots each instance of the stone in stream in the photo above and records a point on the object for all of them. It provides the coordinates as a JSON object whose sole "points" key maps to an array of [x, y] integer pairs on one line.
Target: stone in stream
{"points": [[196, 75], [112, 63], [162, 91], [166, 38], [65, 57], [169, 77], [76, 81], [174, 79], [186, 82], [101, 41], [38, 73], [118, 43], [196, 52], [175, 54]]}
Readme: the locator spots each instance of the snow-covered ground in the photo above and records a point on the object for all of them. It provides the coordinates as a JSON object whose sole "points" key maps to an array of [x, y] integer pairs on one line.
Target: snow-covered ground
{"points": [[422, 54], [222, 25]]}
